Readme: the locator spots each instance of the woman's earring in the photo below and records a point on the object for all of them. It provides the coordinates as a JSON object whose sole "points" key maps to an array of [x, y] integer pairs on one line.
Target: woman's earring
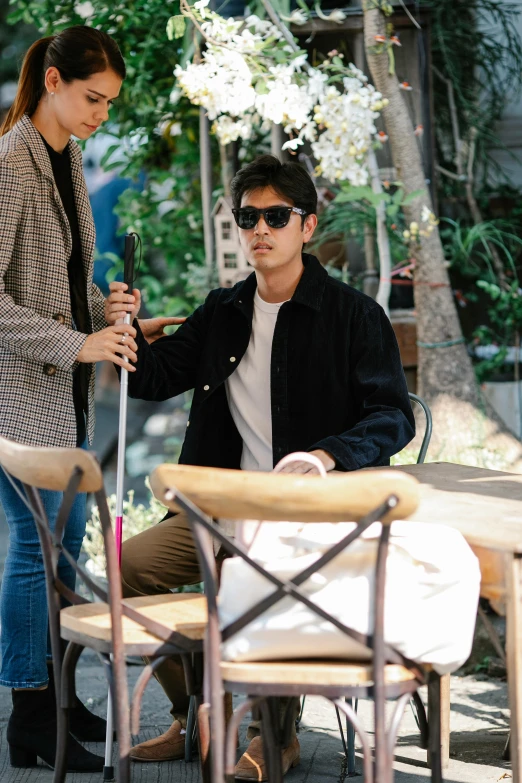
{"points": [[51, 93]]}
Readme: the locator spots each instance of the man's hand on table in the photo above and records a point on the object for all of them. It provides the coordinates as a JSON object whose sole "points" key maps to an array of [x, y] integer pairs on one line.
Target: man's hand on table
{"points": [[119, 303], [305, 467]]}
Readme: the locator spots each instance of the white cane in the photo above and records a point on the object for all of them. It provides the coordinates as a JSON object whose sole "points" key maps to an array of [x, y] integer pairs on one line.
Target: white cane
{"points": [[128, 277]]}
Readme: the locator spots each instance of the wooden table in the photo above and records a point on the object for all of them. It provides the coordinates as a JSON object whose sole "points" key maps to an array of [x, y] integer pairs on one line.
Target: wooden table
{"points": [[486, 506]]}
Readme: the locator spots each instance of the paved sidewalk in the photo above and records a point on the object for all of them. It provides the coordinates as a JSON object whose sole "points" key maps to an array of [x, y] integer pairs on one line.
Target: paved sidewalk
{"points": [[479, 727]]}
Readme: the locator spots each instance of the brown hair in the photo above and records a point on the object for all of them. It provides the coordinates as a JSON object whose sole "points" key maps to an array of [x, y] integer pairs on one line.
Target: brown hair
{"points": [[77, 52]]}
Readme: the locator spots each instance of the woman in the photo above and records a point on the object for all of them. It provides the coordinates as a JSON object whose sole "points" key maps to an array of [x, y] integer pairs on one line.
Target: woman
{"points": [[52, 330]]}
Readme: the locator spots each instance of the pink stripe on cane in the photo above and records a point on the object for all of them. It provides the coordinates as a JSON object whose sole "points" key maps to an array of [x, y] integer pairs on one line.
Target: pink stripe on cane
{"points": [[119, 530]]}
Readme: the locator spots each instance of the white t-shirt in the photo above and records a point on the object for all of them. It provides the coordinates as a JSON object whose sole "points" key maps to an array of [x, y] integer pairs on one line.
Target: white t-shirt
{"points": [[248, 389]]}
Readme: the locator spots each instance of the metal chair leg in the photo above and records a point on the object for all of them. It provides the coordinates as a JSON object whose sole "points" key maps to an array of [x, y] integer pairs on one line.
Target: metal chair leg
{"points": [[298, 721], [191, 724], [506, 755], [65, 695], [62, 744], [352, 716], [419, 713], [434, 728], [232, 736], [349, 740]]}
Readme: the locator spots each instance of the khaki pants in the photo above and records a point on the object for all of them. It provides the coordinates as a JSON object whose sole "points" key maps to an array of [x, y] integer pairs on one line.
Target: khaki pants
{"points": [[153, 563]]}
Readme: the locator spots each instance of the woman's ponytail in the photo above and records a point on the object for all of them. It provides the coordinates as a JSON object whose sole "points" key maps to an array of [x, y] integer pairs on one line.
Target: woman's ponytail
{"points": [[30, 84]]}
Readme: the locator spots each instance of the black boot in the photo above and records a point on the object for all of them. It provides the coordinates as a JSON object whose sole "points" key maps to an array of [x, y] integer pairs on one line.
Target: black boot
{"points": [[83, 725], [32, 733]]}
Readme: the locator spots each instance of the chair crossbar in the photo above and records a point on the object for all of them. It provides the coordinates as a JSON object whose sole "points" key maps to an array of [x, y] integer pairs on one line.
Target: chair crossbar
{"points": [[284, 588], [33, 504], [299, 579], [69, 497]]}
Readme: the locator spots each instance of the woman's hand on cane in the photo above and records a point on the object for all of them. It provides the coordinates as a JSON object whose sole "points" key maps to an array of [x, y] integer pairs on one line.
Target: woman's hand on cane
{"points": [[111, 344], [118, 304]]}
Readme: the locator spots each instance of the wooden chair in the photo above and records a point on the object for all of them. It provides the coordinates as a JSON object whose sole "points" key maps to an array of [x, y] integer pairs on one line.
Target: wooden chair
{"points": [[153, 626], [204, 494]]}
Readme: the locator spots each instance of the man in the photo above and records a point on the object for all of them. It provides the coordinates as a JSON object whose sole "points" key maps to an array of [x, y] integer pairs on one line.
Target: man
{"points": [[288, 360]]}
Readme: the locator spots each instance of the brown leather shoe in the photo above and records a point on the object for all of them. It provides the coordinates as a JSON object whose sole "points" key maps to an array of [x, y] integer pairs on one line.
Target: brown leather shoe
{"points": [[166, 747], [251, 765]]}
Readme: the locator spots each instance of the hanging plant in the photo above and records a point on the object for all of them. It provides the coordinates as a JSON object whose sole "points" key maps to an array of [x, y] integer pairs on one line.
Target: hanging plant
{"points": [[249, 76]]}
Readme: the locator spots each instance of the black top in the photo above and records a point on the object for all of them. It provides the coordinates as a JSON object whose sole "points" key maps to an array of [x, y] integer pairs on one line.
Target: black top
{"points": [[336, 378], [61, 165]]}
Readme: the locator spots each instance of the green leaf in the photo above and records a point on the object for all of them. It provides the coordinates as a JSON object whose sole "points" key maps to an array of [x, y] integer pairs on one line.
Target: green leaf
{"points": [[176, 27], [412, 196], [261, 87], [355, 193]]}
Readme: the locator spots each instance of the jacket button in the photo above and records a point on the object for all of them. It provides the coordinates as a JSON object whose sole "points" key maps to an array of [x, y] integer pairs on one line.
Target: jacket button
{"points": [[49, 369], [59, 317], [188, 423], [206, 388], [232, 358]]}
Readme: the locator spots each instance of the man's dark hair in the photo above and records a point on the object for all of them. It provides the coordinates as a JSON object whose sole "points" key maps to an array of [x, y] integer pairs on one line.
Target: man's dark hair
{"points": [[289, 180]]}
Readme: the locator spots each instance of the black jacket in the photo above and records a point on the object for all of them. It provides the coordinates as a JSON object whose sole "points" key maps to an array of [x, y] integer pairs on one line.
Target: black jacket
{"points": [[336, 377]]}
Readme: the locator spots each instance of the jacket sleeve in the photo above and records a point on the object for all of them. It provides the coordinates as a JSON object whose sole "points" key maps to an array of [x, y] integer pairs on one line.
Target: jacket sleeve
{"points": [[385, 418], [22, 331], [169, 366], [98, 309]]}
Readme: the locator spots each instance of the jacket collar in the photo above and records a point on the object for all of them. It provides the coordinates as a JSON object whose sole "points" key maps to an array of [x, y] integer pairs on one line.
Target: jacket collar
{"points": [[309, 291], [34, 142]]}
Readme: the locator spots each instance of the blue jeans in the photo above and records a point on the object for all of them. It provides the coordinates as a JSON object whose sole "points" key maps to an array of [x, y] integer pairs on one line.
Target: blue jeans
{"points": [[23, 599]]}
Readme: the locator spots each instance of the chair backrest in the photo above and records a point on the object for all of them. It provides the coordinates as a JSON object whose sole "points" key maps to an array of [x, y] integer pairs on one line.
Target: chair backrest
{"points": [[31, 469], [69, 471], [241, 494], [50, 468], [364, 497], [428, 428]]}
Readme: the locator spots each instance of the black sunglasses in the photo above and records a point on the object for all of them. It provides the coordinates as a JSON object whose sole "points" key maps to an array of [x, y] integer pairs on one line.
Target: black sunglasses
{"points": [[275, 217]]}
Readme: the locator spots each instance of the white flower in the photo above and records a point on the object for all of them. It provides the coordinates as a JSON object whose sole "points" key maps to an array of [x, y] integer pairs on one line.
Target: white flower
{"points": [[241, 84], [176, 129], [201, 4], [292, 144], [228, 130], [85, 10], [337, 16], [296, 17], [166, 206]]}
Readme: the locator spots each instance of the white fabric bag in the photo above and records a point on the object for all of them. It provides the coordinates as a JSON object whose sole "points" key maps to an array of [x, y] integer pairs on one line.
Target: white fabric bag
{"points": [[432, 592]]}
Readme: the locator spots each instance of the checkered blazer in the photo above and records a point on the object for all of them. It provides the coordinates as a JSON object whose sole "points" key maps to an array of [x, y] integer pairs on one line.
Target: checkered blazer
{"points": [[38, 345]]}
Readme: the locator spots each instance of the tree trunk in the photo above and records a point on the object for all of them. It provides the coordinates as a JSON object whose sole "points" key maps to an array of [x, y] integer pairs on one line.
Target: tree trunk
{"points": [[446, 379]]}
